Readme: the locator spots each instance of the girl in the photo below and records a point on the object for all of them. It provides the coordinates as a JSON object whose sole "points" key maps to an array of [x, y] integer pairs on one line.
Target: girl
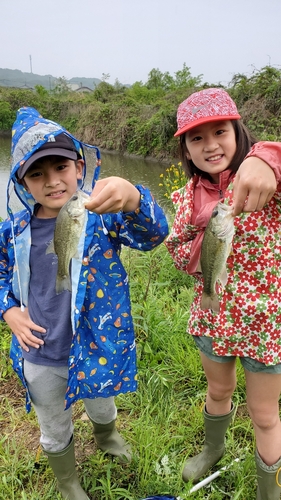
{"points": [[214, 143]]}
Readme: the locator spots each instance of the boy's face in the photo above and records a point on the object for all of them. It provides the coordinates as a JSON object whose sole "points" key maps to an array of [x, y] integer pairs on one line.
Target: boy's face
{"points": [[52, 181]]}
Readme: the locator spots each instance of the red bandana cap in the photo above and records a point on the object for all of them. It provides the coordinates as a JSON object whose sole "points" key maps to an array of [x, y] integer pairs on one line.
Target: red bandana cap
{"points": [[208, 105]]}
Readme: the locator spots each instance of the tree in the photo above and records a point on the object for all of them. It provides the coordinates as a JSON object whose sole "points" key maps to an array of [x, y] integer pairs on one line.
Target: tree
{"points": [[158, 80], [61, 86], [183, 78], [105, 77]]}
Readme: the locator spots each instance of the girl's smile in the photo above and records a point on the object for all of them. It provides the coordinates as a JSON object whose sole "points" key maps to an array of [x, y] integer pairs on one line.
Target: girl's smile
{"points": [[211, 147]]}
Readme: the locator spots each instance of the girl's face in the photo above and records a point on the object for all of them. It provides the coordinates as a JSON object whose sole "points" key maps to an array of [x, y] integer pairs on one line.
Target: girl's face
{"points": [[211, 147]]}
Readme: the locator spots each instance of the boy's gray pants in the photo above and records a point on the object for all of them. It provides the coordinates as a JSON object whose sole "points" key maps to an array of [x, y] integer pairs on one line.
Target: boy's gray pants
{"points": [[47, 388]]}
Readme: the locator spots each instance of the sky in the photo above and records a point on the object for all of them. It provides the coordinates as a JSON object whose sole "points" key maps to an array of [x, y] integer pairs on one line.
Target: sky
{"points": [[126, 39]]}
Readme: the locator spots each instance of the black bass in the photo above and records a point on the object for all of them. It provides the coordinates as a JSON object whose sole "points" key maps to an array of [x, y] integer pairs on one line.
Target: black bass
{"points": [[68, 229], [216, 247]]}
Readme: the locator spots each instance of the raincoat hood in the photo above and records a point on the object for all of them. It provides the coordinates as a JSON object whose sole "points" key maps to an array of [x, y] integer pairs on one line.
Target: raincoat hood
{"points": [[30, 131]]}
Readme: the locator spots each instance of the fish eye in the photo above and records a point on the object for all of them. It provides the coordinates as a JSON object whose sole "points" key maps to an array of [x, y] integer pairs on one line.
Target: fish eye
{"points": [[215, 213], [75, 197]]}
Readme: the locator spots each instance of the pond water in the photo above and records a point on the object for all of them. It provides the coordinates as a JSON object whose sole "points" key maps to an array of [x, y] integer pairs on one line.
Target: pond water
{"points": [[135, 170]]}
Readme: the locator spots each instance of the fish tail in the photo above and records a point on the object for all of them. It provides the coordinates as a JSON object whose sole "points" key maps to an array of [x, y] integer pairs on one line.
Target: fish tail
{"points": [[63, 284], [51, 248], [210, 302]]}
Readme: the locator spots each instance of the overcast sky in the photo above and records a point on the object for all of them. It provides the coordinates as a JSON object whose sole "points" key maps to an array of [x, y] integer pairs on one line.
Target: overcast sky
{"points": [[128, 38]]}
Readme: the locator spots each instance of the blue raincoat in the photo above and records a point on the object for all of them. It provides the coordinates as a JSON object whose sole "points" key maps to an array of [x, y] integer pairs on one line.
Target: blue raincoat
{"points": [[102, 360]]}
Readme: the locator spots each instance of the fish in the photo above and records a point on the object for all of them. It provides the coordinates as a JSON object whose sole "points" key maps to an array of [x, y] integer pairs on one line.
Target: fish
{"points": [[68, 229], [216, 247]]}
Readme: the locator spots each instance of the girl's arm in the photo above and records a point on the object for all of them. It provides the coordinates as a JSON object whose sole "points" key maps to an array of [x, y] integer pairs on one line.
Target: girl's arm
{"points": [[257, 178]]}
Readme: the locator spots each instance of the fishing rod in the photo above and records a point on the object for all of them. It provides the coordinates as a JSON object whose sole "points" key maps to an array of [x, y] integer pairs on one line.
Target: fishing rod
{"points": [[213, 476]]}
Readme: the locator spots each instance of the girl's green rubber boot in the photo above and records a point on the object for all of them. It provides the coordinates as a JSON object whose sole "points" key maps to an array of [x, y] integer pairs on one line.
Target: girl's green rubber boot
{"points": [[213, 449], [269, 477]]}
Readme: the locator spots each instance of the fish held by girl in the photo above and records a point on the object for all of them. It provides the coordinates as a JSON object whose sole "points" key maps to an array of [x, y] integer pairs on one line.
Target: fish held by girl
{"points": [[68, 229], [216, 247]]}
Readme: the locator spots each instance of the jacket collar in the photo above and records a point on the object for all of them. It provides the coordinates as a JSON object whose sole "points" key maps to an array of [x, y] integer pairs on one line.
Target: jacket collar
{"points": [[224, 180]]}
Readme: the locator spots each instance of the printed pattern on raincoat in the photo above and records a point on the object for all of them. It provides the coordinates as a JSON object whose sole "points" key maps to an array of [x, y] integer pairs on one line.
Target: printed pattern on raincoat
{"points": [[102, 360], [249, 321]]}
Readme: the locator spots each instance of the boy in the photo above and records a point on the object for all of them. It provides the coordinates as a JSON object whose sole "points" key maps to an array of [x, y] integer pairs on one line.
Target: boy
{"points": [[79, 345]]}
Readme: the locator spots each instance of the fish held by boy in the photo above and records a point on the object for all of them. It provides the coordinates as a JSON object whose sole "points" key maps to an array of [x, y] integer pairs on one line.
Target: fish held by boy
{"points": [[68, 229], [216, 247]]}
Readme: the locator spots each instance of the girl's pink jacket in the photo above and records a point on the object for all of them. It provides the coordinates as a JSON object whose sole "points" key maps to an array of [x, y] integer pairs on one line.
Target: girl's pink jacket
{"points": [[249, 321]]}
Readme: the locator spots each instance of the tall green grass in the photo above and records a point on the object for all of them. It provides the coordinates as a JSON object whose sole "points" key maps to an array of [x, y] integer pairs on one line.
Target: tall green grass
{"points": [[162, 420]]}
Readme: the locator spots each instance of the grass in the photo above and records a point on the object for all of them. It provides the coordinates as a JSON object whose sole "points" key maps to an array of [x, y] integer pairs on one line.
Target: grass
{"points": [[162, 420]]}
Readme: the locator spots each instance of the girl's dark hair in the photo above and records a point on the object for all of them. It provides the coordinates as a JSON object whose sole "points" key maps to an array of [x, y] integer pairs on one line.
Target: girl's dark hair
{"points": [[244, 142]]}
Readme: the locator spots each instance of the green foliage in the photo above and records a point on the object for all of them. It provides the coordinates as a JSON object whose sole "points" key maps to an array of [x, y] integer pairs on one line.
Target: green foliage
{"points": [[141, 119], [259, 100], [6, 116], [162, 420], [165, 82], [41, 91], [5, 366], [103, 91]]}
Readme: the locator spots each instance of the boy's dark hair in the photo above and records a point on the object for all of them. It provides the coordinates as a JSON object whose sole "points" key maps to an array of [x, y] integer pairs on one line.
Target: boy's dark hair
{"points": [[40, 161], [59, 145], [244, 142]]}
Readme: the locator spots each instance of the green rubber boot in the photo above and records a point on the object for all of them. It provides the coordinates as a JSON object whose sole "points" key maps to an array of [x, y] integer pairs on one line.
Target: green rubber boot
{"points": [[269, 478], [108, 439], [213, 449], [63, 465]]}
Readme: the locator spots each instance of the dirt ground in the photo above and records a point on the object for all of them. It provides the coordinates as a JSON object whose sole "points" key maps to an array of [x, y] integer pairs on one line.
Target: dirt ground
{"points": [[23, 427]]}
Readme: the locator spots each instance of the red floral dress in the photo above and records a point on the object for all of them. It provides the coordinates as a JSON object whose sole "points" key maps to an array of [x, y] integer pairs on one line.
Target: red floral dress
{"points": [[249, 321]]}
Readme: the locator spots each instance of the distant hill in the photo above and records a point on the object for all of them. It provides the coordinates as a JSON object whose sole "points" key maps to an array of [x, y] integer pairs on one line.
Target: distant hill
{"points": [[18, 79]]}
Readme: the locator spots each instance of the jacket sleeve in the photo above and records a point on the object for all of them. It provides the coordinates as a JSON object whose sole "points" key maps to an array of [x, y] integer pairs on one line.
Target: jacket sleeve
{"points": [[270, 152], [143, 229], [7, 299], [183, 235]]}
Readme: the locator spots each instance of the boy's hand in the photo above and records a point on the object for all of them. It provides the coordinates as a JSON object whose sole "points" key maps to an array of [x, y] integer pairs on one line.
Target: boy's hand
{"points": [[113, 194], [254, 185], [21, 326]]}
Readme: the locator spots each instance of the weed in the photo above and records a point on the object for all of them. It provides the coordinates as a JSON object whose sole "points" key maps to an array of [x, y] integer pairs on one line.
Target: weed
{"points": [[162, 420]]}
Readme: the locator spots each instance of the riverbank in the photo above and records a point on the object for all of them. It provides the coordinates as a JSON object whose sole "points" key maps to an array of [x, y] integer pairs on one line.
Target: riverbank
{"points": [[6, 134], [141, 120], [137, 170]]}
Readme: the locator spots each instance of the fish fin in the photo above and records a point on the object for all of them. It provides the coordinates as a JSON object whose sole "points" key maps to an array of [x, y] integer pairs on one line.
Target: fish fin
{"points": [[50, 248], [210, 302], [223, 277], [63, 284]]}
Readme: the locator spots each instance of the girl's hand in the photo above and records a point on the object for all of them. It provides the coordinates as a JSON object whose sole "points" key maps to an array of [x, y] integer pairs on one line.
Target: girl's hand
{"points": [[113, 194], [21, 326], [254, 185]]}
